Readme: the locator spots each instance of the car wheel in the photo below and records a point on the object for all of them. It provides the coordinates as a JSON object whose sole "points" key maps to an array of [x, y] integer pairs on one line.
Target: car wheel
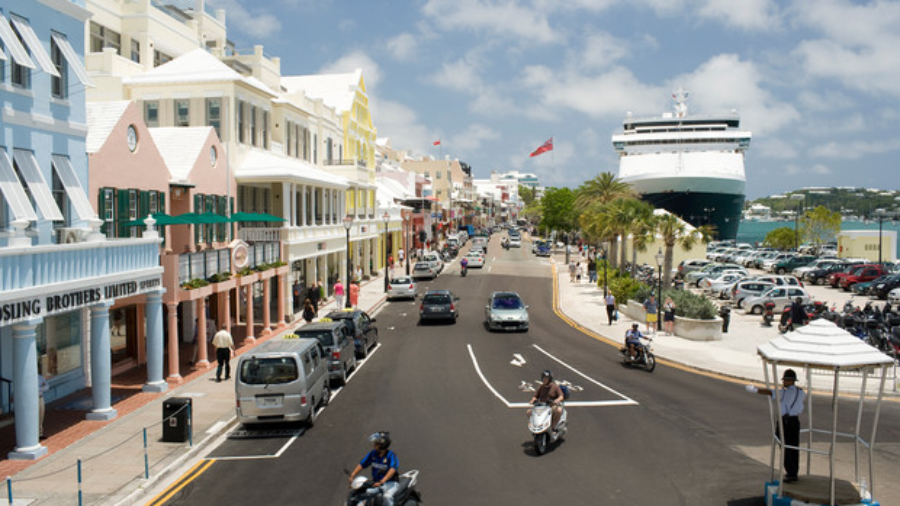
{"points": [[756, 310], [781, 271], [819, 281], [740, 303], [365, 351], [326, 397]]}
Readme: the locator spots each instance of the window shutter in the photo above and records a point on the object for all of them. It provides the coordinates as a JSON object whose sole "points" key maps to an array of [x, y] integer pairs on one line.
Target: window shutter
{"points": [[122, 213], [198, 208], [101, 210], [143, 204], [161, 206]]}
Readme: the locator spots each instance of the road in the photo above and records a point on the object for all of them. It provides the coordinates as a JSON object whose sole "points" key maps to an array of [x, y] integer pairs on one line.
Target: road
{"points": [[449, 393]]}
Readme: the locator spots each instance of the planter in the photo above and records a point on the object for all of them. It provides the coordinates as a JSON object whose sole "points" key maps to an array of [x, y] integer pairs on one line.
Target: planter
{"points": [[698, 330]]}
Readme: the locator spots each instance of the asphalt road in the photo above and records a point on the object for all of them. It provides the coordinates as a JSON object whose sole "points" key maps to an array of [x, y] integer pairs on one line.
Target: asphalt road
{"points": [[670, 437]]}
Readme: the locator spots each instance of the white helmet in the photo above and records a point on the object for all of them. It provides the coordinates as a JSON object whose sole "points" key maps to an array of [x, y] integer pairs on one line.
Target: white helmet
{"points": [[358, 482]]}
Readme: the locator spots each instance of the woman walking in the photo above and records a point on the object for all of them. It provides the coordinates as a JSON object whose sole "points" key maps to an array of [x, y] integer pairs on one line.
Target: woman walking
{"points": [[669, 316], [308, 311]]}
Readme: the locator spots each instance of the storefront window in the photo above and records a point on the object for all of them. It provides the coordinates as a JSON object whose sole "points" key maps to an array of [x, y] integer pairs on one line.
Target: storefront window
{"points": [[59, 343], [123, 333]]}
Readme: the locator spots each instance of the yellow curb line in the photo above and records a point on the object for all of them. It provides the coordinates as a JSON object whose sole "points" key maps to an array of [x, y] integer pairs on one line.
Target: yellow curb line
{"points": [[192, 474]]}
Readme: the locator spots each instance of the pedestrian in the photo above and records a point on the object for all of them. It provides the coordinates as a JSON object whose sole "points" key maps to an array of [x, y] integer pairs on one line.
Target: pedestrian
{"points": [[322, 295], [573, 269], [224, 345], [339, 294], [651, 308], [391, 262], [400, 254], [592, 269], [297, 289], [312, 295], [308, 312], [611, 307], [798, 314], [359, 273], [354, 293], [669, 316], [43, 387], [792, 399]]}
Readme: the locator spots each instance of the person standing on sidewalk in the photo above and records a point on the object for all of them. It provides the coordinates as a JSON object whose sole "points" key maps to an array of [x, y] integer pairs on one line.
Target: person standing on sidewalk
{"points": [[400, 254], [224, 345], [610, 307], [312, 295], [43, 387], [592, 269], [308, 312], [792, 403], [573, 269], [669, 316], [339, 294], [651, 308]]}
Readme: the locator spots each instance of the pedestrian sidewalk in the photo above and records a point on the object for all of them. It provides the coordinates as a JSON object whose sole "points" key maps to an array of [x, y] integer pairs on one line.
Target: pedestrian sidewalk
{"points": [[112, 454], [734, 356]]}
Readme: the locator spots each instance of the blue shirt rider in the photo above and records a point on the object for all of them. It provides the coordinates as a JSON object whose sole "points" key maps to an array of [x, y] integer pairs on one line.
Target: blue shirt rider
{"points": [[633, 339], [385, 467], [464, 262]]}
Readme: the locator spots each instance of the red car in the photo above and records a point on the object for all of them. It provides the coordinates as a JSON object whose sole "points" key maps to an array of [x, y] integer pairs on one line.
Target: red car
{"points": [[834, 279], [867, 273]]}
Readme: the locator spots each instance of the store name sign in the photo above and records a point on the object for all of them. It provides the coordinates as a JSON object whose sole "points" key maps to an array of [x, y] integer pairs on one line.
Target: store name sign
{"points": [[48, 305]]}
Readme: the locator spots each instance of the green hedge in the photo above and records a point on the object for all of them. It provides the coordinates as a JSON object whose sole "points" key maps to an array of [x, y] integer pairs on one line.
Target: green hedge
{"points": [[691, 305]]}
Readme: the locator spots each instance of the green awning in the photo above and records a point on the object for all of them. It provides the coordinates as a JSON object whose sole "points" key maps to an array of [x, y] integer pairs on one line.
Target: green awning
{"points": [[202, 219], [255, 217], [161, 219]]}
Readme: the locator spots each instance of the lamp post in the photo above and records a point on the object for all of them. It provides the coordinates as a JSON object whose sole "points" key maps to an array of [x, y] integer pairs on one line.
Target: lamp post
{"points": [[799, 198], [605, 272], [660, 258], [348, 222], [386, 217], [406, 243]]}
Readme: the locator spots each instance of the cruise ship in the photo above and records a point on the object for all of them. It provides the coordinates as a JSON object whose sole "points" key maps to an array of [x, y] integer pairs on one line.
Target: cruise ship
{"points": [[691, 166]]}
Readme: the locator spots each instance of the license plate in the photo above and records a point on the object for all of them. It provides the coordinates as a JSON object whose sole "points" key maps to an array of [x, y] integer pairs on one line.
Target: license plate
{"points": [[268, 402], [434, 309]]}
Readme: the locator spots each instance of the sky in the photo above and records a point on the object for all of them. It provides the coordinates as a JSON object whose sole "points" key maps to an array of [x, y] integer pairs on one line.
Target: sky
{"points": [[815, 81]]}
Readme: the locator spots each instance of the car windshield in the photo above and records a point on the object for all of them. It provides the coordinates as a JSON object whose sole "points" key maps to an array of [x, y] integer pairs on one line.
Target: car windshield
{"points": [[507, 303], [436, 298], [400, 281], [326, 337], [268, 371]]}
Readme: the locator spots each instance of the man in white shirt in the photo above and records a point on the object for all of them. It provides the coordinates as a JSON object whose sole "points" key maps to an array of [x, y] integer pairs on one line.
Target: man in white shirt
{"points": [[793, 400], [224, 345]]}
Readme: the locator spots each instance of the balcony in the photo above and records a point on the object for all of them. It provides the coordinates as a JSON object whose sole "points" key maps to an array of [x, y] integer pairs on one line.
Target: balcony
{"points": [[290, 234], [205, 264], [354, 170], [35, 266]]}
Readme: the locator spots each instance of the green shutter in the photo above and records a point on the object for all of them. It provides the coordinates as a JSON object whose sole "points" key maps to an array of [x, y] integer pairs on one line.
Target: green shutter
{"points": [[161, 207], [101, 210], [122, 215], [198, 208], [143, 204]]}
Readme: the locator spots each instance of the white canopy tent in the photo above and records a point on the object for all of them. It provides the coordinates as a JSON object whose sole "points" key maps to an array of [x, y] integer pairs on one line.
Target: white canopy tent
{"points": [[823, 346]]}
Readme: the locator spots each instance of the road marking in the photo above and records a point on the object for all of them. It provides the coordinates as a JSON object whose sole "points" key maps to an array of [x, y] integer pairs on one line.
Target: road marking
{"points": [[625, 401], [518, 360], [215, 427], [275, 455], [585, 376], [192, 474]]}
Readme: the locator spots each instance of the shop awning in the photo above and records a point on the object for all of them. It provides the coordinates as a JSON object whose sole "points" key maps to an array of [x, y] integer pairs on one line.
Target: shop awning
{"points": [[18, 52], [202, 219], [13, 192], [31, 173], [255, 217]]}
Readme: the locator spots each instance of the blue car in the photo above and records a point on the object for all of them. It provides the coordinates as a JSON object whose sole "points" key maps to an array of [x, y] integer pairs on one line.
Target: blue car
{"points": [[543, 250]]}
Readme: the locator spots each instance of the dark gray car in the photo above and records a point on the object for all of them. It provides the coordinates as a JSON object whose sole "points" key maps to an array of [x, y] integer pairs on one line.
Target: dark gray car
{"points": [[338, 344], [439, 305]]}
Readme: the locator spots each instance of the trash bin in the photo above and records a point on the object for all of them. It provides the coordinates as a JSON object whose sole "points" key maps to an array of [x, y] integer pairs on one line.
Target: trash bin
{"points": [[177, 419]]}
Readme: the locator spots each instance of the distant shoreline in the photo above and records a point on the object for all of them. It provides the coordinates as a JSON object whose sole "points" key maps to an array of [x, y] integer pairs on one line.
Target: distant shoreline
{"points": [[755, 231]]}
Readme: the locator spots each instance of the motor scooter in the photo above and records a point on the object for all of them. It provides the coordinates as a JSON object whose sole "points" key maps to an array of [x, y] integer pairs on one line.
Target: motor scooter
{"points": [[363, 493], [462, 270], [644, 357], [768, 314], [539, 425]]}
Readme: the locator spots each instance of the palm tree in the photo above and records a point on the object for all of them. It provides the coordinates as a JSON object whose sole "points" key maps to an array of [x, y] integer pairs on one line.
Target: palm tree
{"points": [[603, 188], [674, 231]]}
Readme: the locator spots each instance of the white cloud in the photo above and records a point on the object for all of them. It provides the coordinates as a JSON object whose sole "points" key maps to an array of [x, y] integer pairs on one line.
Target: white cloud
{"points": [[854, 150], [745, 14], [256, 23], [506, 18], [403, 47], [797, 170], [472, 138], [356, 60], [773, 148], [601, 50]]}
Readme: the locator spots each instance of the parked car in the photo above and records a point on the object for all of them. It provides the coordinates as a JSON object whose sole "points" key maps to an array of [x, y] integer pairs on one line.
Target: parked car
{"points": [[439, 305], [834, 279], [691, 265], [894, 297], [788, 265], [475, 260], [402, 287], [748, 288], [861, 276], [757, 262], [360, 326], [781, 296], [821, 263], [694, 278], [506, 311], [542, 249], [882, 288], [339, 347], [434, 260], [715, 285], [769, 263], [424, 270], [820, 276], [781, 280]]}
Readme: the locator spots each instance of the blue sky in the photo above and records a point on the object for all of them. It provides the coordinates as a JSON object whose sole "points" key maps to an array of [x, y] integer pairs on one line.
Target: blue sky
{"points": [[815, 81]]}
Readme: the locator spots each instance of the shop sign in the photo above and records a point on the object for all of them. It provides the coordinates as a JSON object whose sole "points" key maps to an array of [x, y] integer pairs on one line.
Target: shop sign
{"points": [[321, 245], [48, 305]]}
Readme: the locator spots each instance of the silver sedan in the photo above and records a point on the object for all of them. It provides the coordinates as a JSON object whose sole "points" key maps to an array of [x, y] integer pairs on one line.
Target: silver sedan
{"points": [[401, 287], [506, 311]]}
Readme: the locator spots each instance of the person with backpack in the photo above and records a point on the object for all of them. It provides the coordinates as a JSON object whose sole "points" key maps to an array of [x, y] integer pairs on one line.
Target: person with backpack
{"points": [[549, 393]]}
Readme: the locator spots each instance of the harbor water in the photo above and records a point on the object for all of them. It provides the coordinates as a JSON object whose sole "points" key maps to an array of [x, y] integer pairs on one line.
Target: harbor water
{"points": [[754, 232]]}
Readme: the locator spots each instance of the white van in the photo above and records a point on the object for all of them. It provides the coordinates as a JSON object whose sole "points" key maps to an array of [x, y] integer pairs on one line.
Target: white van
{"points": [[282, 380], [434, 260]]}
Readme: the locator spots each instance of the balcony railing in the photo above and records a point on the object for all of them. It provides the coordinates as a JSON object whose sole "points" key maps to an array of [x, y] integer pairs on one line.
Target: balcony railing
{"points": [[205, 264], [360, 164], [58, 263], [290, 234]]}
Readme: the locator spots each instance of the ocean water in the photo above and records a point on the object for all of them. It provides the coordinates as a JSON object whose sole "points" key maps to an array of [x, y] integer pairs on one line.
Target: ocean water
{"points": [[755, 231]]}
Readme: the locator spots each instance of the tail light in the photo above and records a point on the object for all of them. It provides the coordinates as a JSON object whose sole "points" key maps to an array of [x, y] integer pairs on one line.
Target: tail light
{"points": [[238, 402], [412, 286], [422, 307], [303, 400], [390, 287], [452, 307], [336, 355]]}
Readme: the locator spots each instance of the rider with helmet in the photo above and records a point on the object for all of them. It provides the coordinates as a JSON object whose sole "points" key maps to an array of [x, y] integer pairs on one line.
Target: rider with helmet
{"points": [[549, 393], [633, 340], [464, 263], [385, 466]]}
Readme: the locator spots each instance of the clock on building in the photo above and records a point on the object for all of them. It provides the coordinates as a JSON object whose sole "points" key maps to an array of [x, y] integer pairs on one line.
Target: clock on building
{"points": [[240, 255], [132, 138]]}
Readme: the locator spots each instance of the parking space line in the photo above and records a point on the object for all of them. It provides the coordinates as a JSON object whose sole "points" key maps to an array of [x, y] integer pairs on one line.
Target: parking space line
{"points": [[626, 399]]}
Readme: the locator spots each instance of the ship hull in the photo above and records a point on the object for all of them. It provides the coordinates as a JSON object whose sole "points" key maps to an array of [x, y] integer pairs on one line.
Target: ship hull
{"points": [[721, 210]]}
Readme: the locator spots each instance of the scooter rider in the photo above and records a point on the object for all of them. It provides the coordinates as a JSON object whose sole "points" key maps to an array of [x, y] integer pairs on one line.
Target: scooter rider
{"points": [[549, 393], [633, 340], [385, 466], [464, 264]]}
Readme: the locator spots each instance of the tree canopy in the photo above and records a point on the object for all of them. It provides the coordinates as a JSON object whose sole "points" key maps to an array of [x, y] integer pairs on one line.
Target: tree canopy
{"points": [[558, 209], [819, 225]]}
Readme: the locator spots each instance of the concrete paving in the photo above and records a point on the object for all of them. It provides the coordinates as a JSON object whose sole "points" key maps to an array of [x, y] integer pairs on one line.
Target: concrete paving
{"points": [[113, 455]]}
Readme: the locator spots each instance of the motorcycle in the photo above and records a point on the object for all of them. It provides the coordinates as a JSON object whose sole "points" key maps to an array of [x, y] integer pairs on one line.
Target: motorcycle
{"points": [[644, 357], [768, 314], [539, 425], [362, 492], [462, 270]]}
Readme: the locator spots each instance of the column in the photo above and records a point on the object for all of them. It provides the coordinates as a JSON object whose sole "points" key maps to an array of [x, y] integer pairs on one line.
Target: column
{"points": [[250, 338], [101, 365], [226, 310], [174, 366], [282, 301], [267, 302], [293, 217], [155, 382], [286, 201], [303, 221], [25, 390], [315, 197], [202, 347]]}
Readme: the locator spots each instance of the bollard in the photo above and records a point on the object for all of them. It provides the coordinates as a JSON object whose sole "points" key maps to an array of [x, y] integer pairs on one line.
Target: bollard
{"points": [[146, 464], [80, 497], [9, 489], [190, 426]]}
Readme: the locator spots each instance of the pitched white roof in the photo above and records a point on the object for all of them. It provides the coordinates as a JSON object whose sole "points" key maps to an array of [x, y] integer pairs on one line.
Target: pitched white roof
{"points": [[102, 118], [259, 165], [197, 66], [180, 148], [822, 344], [335, 90]]}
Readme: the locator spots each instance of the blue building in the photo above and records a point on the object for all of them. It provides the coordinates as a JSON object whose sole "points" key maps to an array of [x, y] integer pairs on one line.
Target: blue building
{"points": [[58, 274]]}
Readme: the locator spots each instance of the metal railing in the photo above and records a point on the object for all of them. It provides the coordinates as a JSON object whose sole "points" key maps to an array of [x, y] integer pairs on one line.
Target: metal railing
{"points": [[203, 264]]}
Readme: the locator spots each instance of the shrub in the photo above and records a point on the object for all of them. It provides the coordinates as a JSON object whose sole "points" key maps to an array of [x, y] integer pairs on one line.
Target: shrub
{"points": [[195, 283], [691, 305], [624, 288], [218, 278]]}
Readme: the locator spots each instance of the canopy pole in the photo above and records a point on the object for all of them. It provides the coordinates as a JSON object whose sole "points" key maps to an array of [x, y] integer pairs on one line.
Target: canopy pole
{"points": [[884, 371], [809, 421], [834, 420], [780, 433], [859, 412], [771, 423]]}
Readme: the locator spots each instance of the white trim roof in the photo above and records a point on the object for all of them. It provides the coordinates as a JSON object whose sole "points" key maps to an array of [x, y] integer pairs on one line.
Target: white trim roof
{"points": [[197, 66], [822, 344], [335, 90], [102, 118], [259, 165], [180, 148]]}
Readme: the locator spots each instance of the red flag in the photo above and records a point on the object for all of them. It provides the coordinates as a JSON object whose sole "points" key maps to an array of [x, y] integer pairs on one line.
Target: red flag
{"points": [[437, 143], [547, 146]]}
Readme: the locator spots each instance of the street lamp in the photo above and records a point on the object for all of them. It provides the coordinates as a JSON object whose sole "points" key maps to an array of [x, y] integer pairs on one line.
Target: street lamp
{"points": [[406, 243], [799, 198], [386, 217], [660, 258], [606, 270], [348, 222]]}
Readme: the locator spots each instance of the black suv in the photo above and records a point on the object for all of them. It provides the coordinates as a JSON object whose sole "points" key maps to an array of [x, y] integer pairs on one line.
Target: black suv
{"points": [[818, 276], [360, 326], [882, 287]]}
